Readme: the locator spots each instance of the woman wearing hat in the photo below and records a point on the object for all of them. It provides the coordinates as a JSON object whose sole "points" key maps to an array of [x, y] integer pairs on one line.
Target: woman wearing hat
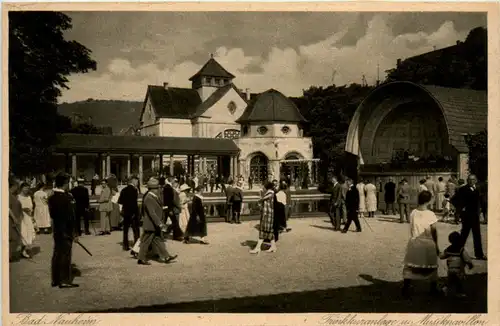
{"points": [[184, 200], [197, 225]]}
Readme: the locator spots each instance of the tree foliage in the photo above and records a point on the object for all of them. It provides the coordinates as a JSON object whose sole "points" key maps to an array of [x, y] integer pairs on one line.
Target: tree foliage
{"points": [[460, 66], [40, 59], [329, 112], [478, 154]]}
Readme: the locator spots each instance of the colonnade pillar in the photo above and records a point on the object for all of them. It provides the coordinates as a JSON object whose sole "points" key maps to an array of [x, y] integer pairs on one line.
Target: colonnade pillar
{"points": [[141, 174], [73, 166], [171, 165], [128, 166]]}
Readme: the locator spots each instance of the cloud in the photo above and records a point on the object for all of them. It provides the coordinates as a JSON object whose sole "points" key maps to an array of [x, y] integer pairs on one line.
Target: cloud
{"points": [[289, 70]]}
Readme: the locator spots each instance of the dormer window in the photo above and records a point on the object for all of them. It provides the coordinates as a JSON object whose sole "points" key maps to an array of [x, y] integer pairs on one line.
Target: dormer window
{"points": [[285, 130], [262, 130]]}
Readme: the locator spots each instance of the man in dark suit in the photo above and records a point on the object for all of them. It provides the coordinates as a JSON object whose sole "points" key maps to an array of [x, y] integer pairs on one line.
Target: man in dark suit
{"points": [[130, 211], [467, 201], [352, 206], [81, 196], [404, 192], [172, 202], [229, 204], [62, 210], [153, 225], [332, 211], [389, 196]]}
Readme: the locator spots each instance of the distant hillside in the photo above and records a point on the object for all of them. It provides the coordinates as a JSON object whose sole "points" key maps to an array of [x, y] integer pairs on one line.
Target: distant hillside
{"points": [[119, 115]]}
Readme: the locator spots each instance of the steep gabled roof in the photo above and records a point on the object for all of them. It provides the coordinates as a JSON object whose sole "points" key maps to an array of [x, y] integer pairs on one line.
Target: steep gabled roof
{"points": [[212, 69], [172, 102], [214, 98], [271, 106]]}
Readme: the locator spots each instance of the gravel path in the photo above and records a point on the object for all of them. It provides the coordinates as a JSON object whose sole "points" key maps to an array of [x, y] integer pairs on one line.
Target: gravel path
{"points": [[310, 257]]}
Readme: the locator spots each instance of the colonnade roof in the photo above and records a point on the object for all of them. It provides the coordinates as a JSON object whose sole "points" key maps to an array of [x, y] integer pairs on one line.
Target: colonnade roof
{"points": [[80, 143]]}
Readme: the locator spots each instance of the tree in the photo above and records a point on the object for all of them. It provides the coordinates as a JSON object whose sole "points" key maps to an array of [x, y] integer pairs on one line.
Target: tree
{"points": [[460, 66], [40, 59], [329, 112], [478, 154]]}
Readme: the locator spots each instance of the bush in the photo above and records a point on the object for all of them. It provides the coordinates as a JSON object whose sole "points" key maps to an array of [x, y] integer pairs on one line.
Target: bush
{"points": [[478, 154]]}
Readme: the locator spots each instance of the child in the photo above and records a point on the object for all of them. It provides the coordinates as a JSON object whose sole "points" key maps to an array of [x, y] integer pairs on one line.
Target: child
{"points": [[456, 259], [446, 207]]}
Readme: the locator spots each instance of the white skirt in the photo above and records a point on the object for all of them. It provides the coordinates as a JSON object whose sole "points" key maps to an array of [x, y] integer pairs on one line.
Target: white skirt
{"points": [[27, 230], [184, 218]]}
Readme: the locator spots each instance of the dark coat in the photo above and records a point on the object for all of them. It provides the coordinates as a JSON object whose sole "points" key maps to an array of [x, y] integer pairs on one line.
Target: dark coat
{"points": [[81, 195], [467, 202], [128, 200], [390, 192], [197, 225], [236, 195], [352, 199], [229, 193], [62, 212]]}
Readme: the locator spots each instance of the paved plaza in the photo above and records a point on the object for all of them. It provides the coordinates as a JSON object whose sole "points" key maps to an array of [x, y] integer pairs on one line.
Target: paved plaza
{"points": [[314, 269]]}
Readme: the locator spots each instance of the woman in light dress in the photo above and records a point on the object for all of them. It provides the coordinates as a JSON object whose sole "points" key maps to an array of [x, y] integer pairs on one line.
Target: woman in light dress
{"points": [[440, 191], [422, 186], [28, 231], [371, 198], [362, 201], [42, 215], [421, 259], [184, 201]]}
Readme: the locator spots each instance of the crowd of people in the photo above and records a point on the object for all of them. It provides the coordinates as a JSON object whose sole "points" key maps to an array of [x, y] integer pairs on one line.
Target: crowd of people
{"points": [[169, 206], [177, 206], [464, 201]]}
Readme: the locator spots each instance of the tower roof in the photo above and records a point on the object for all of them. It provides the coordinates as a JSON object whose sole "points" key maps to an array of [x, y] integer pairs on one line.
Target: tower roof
{"points": [[271, 106], [212, 69]]}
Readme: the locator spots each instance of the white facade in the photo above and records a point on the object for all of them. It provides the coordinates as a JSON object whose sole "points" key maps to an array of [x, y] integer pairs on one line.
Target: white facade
{"points": [[276, 141]]}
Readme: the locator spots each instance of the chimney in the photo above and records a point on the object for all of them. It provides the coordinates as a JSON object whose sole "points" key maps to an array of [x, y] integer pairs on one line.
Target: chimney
{"points": [[165, 85], [247, 93], [398, 63]]}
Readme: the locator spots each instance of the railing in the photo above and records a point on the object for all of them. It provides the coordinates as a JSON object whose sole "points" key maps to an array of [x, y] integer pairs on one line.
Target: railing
{"points": [[312, 201]]}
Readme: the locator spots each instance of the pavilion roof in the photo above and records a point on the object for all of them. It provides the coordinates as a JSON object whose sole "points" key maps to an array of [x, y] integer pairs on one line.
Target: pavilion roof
{"points": [[80, 143]]}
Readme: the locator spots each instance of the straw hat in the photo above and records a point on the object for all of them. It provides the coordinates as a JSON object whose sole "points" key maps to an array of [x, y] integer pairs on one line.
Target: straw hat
{"points": [[153, 183], [184, 187]]}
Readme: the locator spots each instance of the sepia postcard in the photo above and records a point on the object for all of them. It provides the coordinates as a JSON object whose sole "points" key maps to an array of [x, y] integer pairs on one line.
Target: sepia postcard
{"points": [[244, 163]]}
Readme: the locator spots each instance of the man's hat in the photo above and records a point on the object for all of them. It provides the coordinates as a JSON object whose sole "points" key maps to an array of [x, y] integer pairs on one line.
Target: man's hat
{"points": [[153, 183]]}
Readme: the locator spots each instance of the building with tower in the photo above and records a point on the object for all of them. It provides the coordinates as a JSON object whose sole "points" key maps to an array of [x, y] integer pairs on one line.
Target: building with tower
{"points": [[266, 127]]}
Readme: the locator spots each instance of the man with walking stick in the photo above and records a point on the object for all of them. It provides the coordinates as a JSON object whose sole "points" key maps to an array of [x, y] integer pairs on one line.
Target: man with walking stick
{"points": [[352, 206], [62, 211]]}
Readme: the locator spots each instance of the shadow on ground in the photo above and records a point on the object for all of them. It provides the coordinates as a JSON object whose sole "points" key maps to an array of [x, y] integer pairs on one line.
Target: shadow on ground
{"points": [[378, 297]]}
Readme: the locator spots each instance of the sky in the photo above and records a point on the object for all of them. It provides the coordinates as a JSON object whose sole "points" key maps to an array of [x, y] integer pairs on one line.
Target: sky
{"points": [[287, 51]]}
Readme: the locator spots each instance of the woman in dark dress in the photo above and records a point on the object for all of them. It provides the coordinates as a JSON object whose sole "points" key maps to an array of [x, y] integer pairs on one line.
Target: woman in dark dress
{"points": [[197, 225]]}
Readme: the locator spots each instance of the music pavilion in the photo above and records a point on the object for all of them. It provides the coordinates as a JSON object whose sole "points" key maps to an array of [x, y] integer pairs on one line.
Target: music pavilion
{"points": [[211, 127], [406, 130]]}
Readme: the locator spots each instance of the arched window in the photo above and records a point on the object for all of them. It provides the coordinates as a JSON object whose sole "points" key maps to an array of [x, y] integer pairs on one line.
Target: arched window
{"points": [[291, 170], [258, 168]]}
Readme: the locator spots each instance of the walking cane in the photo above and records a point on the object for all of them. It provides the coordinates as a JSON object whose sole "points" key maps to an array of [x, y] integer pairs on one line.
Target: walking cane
{"points": [[364, 219]]}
